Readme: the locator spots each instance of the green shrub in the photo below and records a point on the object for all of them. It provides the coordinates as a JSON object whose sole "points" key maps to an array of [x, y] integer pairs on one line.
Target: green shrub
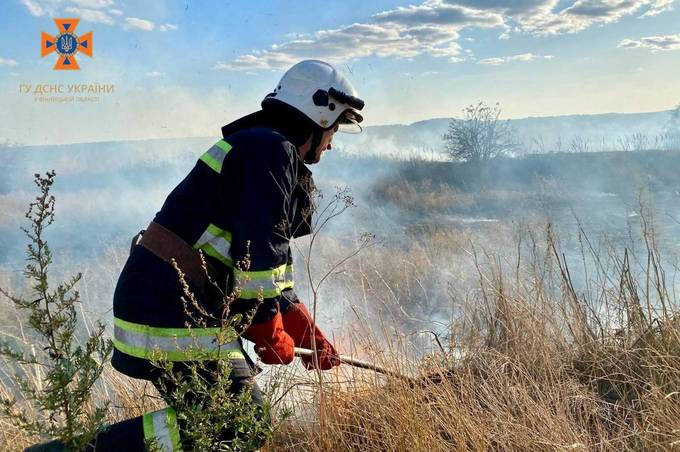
{"points": [[62, 398]]}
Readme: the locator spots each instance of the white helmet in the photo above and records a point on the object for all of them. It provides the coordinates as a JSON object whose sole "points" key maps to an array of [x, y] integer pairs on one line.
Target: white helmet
{"points": [[321, 93]]}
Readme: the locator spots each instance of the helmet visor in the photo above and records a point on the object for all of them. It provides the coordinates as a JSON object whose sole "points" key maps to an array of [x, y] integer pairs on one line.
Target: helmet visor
{"points": [[349, 122]]}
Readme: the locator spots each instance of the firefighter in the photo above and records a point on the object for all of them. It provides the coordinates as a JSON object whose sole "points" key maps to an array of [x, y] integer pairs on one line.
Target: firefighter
{"points": [[227, 227]]}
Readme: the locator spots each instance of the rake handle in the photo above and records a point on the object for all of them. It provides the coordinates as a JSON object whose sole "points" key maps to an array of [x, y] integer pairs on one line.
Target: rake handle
{"points": [[361, 364]]}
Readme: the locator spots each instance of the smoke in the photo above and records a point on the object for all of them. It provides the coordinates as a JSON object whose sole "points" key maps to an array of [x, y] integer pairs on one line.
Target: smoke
{"points": [[435, 223], [577, 133]]}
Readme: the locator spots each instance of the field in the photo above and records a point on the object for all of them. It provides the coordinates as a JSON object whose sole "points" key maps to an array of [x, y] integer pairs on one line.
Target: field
{"points": [[531, 302]]}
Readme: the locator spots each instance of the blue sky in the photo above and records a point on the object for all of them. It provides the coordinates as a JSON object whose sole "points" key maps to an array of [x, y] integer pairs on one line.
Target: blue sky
{"points": [[184, 68]]}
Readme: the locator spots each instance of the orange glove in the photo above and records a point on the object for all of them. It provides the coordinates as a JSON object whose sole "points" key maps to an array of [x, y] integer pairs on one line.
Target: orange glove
{"points": [[299, 324], [272, 344]]}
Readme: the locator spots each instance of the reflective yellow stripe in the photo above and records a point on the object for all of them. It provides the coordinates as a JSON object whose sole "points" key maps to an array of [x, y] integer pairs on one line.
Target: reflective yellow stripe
{"points": [[178, 355], [214, 157], [217, 232], [226, 147], [174, 344], [161, 427], [215, 242], [165, 332], [265, 283]]}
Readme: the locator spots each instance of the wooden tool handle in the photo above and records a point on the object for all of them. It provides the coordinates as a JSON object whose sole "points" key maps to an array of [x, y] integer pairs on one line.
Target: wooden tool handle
{"points": [[361, 364]]}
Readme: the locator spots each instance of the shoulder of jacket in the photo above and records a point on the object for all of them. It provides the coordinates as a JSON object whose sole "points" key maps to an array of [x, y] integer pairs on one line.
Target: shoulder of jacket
{"points": [[261, 141]]}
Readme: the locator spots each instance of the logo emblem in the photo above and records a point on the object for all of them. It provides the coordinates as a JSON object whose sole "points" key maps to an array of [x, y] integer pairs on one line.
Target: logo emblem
{"points": [[67, 44]]}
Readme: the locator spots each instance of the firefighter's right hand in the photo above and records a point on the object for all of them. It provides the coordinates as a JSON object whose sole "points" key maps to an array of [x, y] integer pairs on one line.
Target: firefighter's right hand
{"points": [[272, 344], [299, 323]]}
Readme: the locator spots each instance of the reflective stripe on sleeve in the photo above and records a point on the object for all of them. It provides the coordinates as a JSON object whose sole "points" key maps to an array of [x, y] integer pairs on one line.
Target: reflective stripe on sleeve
{"points": [[215, 242], [268, 283], [173, 344], [214, 157], [161, 426]]}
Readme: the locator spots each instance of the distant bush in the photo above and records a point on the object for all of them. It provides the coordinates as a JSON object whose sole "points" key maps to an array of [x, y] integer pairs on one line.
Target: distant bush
{"points": [[480, 135]]}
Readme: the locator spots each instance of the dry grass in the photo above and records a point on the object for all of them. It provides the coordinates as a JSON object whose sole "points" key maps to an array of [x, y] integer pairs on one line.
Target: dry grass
{"points": [[532, 363], [530, 360], [426, 198]]}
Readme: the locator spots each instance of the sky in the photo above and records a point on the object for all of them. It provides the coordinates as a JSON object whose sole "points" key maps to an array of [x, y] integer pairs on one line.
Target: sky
{"points": [[185, 68]]}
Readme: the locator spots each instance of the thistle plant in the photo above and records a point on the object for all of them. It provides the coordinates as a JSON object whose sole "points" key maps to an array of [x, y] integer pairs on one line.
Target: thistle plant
{"points": [[69, 364]]}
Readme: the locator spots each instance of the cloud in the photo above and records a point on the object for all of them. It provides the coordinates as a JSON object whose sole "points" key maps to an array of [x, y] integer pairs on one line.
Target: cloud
{"points": [[94, 3], [258, 60], [56, 7], [613, 10], [98, 11], [433, 28], [155, 74], [431, 13], [8, 62], [492, 61], [523, 57], [517, 11], [549, 17], [91, 15], [34, 7], [406, 32], [508, 7], [352, 42], [659, 7], [140, 24], [653, 43], [583, 14]]}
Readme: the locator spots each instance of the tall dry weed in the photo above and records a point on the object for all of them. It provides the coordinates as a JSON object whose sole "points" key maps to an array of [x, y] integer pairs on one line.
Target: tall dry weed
{"points": [[538, 357]]}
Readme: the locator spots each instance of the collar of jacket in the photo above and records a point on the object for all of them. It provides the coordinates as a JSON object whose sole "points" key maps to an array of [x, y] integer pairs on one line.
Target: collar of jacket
{"points": [[260, 119], [276, 120]]}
